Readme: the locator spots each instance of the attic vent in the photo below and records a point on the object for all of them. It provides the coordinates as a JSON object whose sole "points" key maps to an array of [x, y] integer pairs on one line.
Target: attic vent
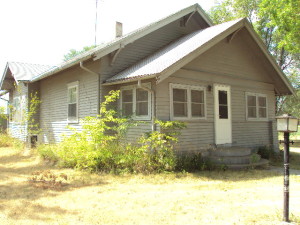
{"points": [[119, 29]]}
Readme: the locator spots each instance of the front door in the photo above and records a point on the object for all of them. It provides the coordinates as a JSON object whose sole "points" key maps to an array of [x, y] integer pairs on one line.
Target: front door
{"points": [[222, 99]]}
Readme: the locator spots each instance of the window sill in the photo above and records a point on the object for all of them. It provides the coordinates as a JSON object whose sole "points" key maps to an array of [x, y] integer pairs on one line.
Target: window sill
{"points": [[73, 121], [188, 119], [257, 119]]}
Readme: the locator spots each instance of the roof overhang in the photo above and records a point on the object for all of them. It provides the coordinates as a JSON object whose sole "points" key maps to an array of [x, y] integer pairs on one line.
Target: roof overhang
{"points": [[105, 49], [166, 72]]}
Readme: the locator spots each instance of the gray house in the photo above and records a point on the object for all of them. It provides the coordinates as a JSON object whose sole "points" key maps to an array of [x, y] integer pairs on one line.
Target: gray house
{"points": [[219, 79]]}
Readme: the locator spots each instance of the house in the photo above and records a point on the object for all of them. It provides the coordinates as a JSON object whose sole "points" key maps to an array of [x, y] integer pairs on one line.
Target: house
{"points": [[219, 79]]}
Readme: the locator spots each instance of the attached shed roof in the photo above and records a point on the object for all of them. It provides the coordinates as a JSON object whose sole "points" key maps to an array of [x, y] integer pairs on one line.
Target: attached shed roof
{"points": [[126, 39]]}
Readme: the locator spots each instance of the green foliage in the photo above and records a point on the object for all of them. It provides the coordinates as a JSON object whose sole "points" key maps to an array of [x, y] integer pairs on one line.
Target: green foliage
{"points": [[32, 124], [48, 151], [100, 146], [278, 24], [8, 141], [73, 52], [266, 152], [192, 162]]}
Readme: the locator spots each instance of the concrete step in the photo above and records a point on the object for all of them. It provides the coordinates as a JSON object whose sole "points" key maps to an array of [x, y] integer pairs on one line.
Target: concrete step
{"points": [[230, 151], [263, 163], [228, 160]]}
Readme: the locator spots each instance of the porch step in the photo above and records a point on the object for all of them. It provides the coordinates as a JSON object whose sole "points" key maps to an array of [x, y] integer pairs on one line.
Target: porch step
{"points": [[263, 163], [236, 158], [230, 151]]}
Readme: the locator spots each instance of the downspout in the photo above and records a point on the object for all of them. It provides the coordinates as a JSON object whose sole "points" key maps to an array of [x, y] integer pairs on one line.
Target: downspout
{"points": [[98, 89], [139, 85]]}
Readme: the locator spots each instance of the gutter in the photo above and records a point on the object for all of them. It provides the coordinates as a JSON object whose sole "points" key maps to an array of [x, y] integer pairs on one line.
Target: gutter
{"points": [[98, 89], [139, 85]]}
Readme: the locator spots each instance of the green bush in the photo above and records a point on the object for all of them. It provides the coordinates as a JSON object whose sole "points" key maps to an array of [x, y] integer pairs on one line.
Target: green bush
{"points": [[7, 141], [100, 146], [190, 162], [48, 151], [266, 152]]}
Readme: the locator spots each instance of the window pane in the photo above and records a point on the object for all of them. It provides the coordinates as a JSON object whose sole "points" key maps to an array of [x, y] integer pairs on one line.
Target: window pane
{"points": [[142, 109], [223, 97], [179, 95], [251, 100], [263, 112], [73, 95], [197, 110], [127, 109], [251, 112], [223, 112], [72, 112], [180, 109], [197, 96], [141, 95], [262, 101], [127, 96]]}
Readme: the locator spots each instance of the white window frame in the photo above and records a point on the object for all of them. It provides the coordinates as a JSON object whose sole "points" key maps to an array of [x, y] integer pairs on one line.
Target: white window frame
{"points": [[73, 85], [189, 88], [256, 95], [133, 88]]}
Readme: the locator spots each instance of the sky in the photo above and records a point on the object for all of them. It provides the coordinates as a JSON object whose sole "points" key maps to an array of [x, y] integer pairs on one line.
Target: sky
{"points": [[43, 31]]}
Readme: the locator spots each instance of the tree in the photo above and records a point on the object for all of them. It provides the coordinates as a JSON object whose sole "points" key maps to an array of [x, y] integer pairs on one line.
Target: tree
{"points": [[278, 24], [73, 52]]}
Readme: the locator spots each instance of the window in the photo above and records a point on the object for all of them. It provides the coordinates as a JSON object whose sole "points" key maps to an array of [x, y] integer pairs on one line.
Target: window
{"points": [[17, 109], [136, 102], [256, 106], [187, 102], [73, 102]]}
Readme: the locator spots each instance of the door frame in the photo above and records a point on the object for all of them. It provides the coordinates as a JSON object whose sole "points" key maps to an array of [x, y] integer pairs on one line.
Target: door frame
{"points": [[222, 122]]}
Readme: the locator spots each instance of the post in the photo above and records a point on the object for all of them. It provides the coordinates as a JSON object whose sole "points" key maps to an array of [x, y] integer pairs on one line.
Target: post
{"points": [[286, 176]]}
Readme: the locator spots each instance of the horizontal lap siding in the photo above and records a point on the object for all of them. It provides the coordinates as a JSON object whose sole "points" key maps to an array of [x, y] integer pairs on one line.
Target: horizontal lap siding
{"points": [[229, 64], [19, 129], [54, 106]]}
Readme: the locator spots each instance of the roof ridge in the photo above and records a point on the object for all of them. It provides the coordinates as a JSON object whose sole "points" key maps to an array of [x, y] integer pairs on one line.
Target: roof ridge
{"points": [[90, 52]]}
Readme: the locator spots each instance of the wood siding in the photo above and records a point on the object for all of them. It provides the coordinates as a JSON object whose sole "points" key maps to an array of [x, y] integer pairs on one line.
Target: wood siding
{"points": [[54, 96], [18, 129], [230, 64]]}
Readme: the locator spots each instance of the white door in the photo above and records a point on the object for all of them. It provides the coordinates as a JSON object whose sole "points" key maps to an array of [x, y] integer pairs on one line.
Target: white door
{"points": [[222, 99]]}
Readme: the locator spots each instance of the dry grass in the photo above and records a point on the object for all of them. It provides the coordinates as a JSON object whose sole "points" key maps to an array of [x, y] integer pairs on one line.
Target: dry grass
{"points": [[245, 197]]}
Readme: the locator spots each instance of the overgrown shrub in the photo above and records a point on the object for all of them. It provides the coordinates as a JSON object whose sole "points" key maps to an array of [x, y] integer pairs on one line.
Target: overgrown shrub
{"points": [[48, 151], [266, 152], [101, 145], [7, 141], [191, 162]]}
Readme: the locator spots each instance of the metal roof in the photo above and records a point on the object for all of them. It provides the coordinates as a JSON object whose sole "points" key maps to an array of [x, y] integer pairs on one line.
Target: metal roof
{"points": [[26, 71], [115, 44], [166, 57]]}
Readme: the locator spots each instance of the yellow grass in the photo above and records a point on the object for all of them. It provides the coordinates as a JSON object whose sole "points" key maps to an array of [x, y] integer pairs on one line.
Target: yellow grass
{"points": [[245, 197]]}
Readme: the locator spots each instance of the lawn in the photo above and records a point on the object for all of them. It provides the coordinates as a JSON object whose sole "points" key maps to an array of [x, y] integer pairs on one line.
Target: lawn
{"points": [[216, 197]]}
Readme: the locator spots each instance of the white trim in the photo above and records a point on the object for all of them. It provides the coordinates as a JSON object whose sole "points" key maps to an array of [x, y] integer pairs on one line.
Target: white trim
{"points": [[134, 88], [189, 100], [222, 125], [257, 118], [74, 84]]}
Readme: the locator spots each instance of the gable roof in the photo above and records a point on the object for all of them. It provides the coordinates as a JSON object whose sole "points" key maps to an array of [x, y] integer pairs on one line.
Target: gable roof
{"points": [[171, 58], [166, 57], [23, 71], [126, 39], [26, 71]]}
